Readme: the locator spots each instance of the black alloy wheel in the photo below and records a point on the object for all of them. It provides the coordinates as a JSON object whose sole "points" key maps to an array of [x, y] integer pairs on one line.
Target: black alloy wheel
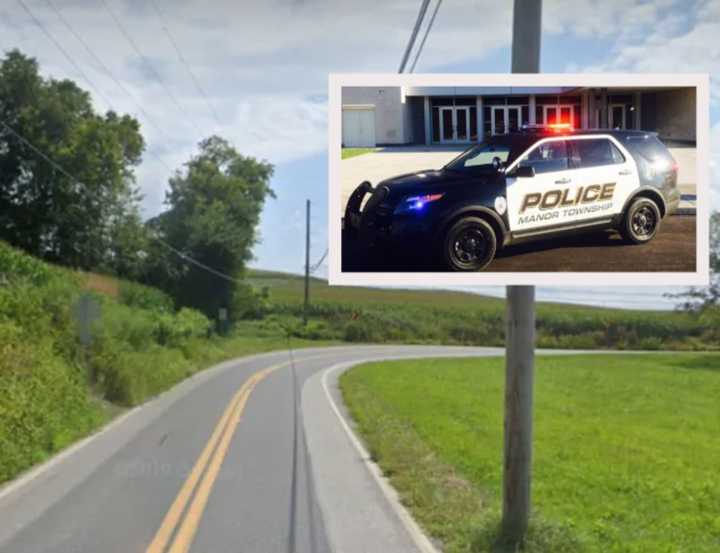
{"points": [[469, 244], [642, 221]]}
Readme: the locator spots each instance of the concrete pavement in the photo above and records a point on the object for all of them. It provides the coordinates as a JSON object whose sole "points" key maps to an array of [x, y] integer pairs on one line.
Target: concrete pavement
{"points": [[389, 162]]}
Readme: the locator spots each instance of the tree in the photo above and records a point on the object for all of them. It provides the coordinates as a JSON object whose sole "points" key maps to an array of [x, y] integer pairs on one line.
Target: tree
{"points": [[70, 218], [214, 208]]}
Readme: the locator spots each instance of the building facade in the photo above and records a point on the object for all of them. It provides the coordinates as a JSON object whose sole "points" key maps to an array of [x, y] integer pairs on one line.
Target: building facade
{"points": [[380, 116]]}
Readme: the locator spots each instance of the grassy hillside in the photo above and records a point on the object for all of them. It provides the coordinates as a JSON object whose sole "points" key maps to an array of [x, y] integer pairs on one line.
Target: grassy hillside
{"points": [[53, 390], [434, 316], [625, 448]]}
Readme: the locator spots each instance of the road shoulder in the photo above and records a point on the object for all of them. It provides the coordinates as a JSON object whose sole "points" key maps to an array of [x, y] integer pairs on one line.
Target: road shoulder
{"points": [[361, 511]]}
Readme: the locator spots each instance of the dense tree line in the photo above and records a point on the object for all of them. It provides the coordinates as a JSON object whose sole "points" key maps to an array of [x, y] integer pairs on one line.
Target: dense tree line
{"points": [[68, 194]]}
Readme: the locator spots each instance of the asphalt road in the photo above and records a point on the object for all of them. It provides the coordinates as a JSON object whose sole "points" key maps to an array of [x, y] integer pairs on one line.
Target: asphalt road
{"points": [[220, 463], [673, 250]]}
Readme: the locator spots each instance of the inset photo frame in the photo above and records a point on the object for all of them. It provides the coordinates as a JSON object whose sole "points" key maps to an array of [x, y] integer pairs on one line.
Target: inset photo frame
{"points": [[492, 179]]}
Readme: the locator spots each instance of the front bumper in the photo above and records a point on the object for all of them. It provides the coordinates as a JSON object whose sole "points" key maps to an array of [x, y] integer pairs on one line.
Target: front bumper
{"points": [[376, 224]]}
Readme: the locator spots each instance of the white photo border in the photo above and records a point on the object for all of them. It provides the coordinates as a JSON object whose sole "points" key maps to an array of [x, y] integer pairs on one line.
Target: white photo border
{"points": [[701, 275]]}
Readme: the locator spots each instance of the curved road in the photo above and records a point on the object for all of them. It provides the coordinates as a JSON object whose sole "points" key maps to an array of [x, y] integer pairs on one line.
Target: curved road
{"points": [[253, 455]]}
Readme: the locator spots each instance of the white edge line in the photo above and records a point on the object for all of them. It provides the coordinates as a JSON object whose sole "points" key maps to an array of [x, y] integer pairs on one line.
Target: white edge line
{"points": [[391, 495], [31, 474], [422, 541]]}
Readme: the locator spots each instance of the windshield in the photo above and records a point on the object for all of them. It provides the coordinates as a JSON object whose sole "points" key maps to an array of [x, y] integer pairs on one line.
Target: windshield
{"points": [[480, 157]]}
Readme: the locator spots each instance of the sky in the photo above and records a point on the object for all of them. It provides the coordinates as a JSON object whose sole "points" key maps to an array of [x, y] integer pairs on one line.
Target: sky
{"points": [[255, 72]]}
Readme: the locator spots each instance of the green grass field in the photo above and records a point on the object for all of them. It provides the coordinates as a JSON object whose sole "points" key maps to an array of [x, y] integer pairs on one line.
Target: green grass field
{"points": [[627, 449], [397, 315], [353, 152]]}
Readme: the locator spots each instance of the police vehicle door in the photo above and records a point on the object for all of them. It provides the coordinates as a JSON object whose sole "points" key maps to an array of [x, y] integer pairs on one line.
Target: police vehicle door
{"points": [[605, 175], [534, 202]]}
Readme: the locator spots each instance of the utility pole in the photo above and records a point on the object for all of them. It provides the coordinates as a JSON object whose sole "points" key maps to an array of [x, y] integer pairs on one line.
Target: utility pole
{"points": [[307, 262], [520, 327]]}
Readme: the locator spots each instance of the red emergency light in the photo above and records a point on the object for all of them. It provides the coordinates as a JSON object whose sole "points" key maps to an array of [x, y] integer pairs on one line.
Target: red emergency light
{"points": [[560, 127]]}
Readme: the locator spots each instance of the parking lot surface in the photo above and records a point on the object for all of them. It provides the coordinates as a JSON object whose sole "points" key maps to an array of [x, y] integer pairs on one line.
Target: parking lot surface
{"points": [[673, 250]]}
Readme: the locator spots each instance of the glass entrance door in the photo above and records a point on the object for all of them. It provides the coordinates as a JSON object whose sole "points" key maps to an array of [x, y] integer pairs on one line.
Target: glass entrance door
{"points": [[555, 114], [506, 119], [462, 124], [454, 124], [446, 125], [616, 117]]}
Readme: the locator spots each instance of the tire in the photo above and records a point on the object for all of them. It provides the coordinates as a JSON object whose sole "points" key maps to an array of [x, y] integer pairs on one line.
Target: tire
{"points": [[469, 244], [641, 221]]}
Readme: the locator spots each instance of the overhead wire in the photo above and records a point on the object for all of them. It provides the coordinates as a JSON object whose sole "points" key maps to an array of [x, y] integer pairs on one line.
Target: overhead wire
{"points": [[315, 266], [77, 181], [62, 50], [413, 35], [427, 32], [178, 52], [110, 74], [146, 62]]}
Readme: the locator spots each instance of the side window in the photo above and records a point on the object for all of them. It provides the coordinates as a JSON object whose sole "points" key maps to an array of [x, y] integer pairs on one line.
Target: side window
{"points": [[548, 157], [594, 152], [485, 156], [618, 156]]}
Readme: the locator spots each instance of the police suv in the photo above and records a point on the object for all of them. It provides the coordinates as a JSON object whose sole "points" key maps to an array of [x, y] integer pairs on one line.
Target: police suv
{"points": [[534, 184]]}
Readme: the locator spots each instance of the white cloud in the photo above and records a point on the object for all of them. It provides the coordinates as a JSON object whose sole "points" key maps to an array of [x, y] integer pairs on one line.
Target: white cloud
{"points": [[260, 63], [597, 19]]}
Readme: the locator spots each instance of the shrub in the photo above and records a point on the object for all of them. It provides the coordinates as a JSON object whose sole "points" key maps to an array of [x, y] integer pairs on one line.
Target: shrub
{"points": [[173, 329], [44, 401], [361, 331], [248, 303], [133, 294], [133, 376], [15, 264]]}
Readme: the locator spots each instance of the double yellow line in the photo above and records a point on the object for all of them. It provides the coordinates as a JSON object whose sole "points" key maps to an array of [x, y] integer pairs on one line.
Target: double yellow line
{"points": [[211, 458]]}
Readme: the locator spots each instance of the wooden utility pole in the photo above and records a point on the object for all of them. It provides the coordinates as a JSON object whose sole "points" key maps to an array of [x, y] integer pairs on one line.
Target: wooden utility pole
{"points": [[307, 262], [520, 327]]}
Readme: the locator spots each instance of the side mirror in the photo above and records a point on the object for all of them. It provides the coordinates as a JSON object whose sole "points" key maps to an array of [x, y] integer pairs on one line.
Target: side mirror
{"points": [[523, 171]]}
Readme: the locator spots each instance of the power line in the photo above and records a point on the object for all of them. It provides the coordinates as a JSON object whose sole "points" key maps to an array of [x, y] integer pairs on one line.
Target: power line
{"points": [[178, 52], [39, 152], [149, 65], [427, 32], [110, 74], [195, 262], [413, 35], [319, 262], [62, 51], [59, 167]]}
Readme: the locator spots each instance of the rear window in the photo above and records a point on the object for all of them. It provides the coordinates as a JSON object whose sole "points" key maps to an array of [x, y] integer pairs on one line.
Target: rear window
{"points": [[594, 152], [649, 147]]}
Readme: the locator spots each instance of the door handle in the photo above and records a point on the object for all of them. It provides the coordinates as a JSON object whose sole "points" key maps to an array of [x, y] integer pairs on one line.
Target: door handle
{"points": [[563, 181], [625, 172]]}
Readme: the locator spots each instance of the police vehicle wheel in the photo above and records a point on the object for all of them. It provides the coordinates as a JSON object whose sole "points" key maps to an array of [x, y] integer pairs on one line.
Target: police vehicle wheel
{"points": [[641, 222], [469, 245]]}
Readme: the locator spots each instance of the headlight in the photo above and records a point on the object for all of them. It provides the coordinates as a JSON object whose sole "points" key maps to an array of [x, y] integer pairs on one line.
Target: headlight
{"points": [[413, 204]]}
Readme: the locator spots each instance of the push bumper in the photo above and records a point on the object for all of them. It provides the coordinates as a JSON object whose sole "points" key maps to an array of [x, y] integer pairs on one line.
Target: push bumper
{"points": [[352, 220]]}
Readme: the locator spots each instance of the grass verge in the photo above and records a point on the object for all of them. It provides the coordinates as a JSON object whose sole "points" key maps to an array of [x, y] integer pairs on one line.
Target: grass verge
{"points": [[354, 152], [626, 449]]}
